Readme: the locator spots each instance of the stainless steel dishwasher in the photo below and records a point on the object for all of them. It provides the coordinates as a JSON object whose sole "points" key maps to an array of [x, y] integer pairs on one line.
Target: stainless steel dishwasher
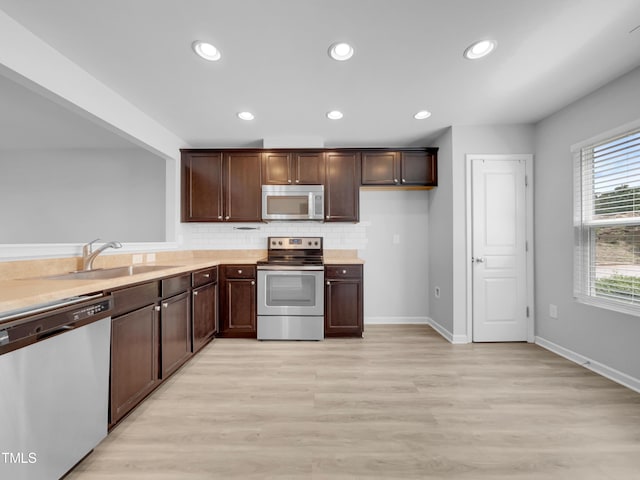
{"points": [[54, 386]]}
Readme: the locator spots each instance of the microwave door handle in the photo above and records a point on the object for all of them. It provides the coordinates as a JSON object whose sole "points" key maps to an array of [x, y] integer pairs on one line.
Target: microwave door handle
{"points": [[312, 206]]}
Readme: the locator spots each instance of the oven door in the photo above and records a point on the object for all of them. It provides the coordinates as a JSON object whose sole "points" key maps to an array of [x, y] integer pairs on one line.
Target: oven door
{"points": [[290, 292]]}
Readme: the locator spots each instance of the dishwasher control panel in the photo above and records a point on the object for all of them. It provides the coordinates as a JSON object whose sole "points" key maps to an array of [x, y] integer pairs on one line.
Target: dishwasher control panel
{"points": [[91, 310]]}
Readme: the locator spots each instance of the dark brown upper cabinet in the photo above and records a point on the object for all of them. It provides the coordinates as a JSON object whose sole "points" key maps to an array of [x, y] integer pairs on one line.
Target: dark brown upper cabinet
{"points": [[242, 187], [399, 168], [202, 199], [293, 168], [342, 186], [221, 186], [380, 168]]}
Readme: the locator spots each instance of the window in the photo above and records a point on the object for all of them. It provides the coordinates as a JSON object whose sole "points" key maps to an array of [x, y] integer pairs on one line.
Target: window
{"points": [[607, 221]]}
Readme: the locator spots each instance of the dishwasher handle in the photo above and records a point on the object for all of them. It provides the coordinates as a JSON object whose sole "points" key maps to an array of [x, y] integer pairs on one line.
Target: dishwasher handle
{"points": [[55, 331]]}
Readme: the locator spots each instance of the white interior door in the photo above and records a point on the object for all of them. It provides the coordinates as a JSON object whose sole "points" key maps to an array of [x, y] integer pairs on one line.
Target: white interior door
{"points": [[499, 258]]}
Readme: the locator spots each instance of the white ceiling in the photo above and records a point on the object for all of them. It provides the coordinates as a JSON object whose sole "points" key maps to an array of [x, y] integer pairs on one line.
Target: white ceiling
{"points": [[408, 57]]}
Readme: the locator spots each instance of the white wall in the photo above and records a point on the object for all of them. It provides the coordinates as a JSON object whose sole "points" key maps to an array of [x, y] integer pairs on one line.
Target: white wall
{"points": [[396, 274], [74, 196], [440, 266], [604, 336], [450, 312]]}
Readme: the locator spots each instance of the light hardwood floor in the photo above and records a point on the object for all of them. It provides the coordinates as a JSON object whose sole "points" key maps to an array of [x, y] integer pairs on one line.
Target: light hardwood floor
{"points": [[402, 403]]}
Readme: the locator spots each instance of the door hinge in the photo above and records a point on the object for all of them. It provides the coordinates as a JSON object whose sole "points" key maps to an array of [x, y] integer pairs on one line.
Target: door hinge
{"points": [[527, 312], [526, 246], [526, 180]]}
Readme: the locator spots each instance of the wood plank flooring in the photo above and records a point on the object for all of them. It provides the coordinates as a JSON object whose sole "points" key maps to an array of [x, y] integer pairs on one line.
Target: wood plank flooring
{"points": [[402, 403]]}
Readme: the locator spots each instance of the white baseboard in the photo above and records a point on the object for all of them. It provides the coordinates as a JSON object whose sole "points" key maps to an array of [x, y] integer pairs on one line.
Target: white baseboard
{"points": [[396, 320], [597, 367], [450, 337]]}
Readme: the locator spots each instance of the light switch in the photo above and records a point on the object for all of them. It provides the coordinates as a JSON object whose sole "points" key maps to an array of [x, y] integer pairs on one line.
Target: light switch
{"points": [[553, 310], [396, 239]]}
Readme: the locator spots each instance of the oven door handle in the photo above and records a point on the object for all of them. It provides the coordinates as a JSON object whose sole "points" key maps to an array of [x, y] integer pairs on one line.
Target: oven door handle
{"points": [[317, 268]]}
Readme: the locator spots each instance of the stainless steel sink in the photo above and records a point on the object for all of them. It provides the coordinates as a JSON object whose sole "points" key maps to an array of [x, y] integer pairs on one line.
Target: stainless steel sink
{"points": [[100, 273]]}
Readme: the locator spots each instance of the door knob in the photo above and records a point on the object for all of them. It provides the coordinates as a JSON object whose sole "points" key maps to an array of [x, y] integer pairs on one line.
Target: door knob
{"points": [[477, 259]]}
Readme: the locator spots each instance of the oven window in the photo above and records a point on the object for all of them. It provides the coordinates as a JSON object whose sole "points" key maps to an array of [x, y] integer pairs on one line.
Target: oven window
{"points": [[289, 205], [291, 290]]}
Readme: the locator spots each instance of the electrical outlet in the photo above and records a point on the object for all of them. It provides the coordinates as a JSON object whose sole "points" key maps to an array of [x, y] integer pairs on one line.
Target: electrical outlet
{"points": [[137, 258], [436, 292], [396, 239], [553, 310]]}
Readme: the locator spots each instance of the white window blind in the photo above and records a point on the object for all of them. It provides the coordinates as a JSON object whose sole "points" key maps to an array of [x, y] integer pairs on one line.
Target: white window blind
{"points": [[607, 222]]}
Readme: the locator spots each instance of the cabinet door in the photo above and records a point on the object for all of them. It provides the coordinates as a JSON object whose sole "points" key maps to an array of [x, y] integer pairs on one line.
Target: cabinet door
{"points": [[243, 187], [175, 333], [205, 311], [308, 168], [380, 168], [343, 308], [417, 168], [202, 187], [276, 168], [342, 185], [239, 309], [134, 360]]}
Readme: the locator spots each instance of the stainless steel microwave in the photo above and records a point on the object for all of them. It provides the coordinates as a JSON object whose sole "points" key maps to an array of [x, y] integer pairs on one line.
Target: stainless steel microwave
{"points": [[292, 202]]}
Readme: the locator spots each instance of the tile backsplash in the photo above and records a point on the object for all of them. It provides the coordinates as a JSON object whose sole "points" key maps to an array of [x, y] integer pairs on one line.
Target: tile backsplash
{"points": [[222, 236]]}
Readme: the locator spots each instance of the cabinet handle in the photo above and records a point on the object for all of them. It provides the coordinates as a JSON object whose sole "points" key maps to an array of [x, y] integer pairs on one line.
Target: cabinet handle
{"points": [[165, 304], [395, 180], [344, 272], [157, 308], [219, 217], [227, 217], [239, 272], [252, 282], [206, 275], [403, 180], [195, 294], [328, 282], [297, 181], [289, 181]]}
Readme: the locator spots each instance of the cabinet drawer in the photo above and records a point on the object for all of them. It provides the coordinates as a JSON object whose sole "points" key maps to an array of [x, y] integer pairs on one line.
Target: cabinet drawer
{"points": [[343, 271], [132, 298], [239, 271], [203, 277], [175, 285]]}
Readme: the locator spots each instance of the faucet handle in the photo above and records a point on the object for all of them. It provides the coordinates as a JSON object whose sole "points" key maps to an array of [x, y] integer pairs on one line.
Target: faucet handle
{"points": [[87, 248]]}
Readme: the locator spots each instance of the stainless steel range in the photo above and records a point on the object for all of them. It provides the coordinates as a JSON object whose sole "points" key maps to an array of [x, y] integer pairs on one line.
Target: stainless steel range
{"points": [[291, 290]]}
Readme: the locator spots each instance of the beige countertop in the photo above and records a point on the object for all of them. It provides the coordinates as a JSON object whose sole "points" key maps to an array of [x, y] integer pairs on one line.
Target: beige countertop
{"points": [[22, 283]]}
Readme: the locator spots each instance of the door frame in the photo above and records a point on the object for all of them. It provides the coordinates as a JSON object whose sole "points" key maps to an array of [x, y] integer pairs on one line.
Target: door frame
{"points": [[528, 159]]}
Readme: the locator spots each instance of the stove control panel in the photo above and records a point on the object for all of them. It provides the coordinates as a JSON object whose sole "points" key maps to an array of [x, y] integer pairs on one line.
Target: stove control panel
{"points": [[294, 243]]}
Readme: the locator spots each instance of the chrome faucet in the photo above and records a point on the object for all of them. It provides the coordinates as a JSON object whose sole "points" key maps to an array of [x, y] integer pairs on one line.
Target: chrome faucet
{"points": [[89, 254]]}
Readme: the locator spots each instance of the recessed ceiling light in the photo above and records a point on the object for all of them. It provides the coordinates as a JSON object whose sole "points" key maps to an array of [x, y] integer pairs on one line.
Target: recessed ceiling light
{"points": [[422, 114], [334, 115], [246, 115], [341, 51], [206, 50], [480, 49]]}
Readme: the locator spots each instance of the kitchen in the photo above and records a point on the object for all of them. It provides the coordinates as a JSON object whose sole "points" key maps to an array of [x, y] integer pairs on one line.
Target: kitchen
{"points": [[406, 255]]}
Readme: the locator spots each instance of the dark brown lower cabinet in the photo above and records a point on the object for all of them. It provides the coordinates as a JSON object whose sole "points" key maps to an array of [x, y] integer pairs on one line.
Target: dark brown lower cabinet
{"points": [[238, 301], [175, 333], [134, 359], [205, 312], [343, 312]]}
